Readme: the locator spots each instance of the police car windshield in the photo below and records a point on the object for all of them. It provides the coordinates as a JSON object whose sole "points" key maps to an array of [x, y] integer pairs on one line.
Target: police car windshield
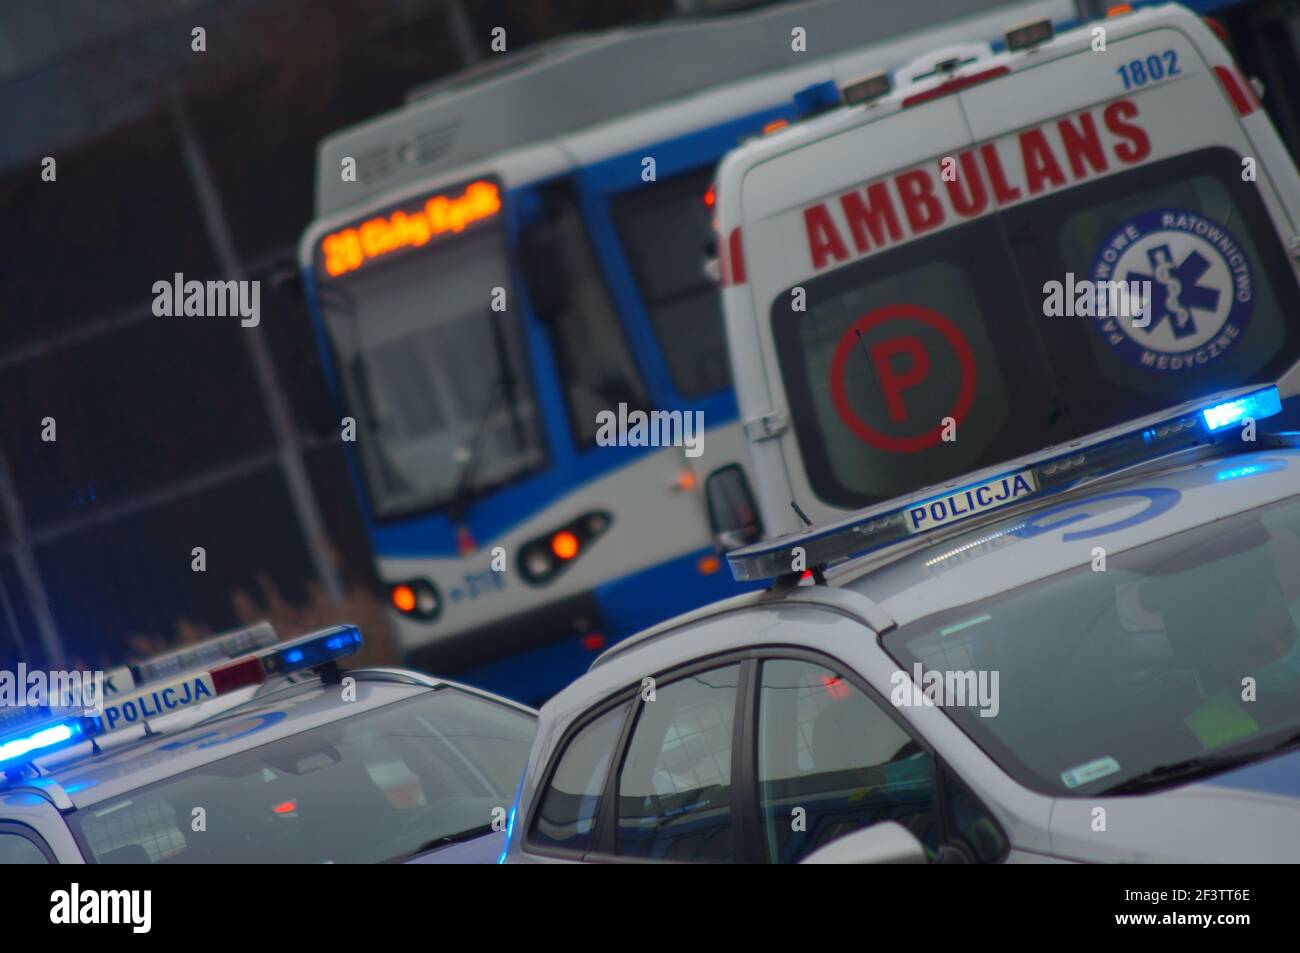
{"points": [[377, 786], [1182, 649], [431, 372], [978, 343]]}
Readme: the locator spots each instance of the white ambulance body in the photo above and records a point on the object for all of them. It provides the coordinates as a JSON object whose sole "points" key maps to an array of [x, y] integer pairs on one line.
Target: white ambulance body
{"points": [[904, 280]]}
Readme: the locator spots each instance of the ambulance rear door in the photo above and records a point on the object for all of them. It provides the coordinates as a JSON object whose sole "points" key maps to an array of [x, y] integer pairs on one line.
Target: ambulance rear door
{"points": [[1141, 173]]}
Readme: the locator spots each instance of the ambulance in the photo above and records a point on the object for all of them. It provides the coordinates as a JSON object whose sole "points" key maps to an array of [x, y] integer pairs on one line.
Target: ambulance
{"points": [[913, 279]]}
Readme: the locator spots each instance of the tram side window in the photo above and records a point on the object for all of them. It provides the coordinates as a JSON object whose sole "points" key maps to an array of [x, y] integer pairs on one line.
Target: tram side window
{"points": [[665, 232], [568, 292]]}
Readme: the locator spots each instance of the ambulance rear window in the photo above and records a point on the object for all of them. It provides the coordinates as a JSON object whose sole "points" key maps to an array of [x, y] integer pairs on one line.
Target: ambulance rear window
{"points": [[1224, 306], [972, 345], [911, 366]]}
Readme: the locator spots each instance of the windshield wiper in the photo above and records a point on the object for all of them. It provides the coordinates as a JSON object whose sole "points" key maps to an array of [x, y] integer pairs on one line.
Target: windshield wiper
{"points": [[1180, 772], [1167, 775], [472, 834]]}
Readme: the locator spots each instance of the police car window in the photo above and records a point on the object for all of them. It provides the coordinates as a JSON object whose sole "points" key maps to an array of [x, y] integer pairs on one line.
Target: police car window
{"points": [[830, 762], [665, 232], [1102, 677], [570, 806], [971, 826], [912, 366], [16, 849], [380, 785], [1189, 235], [674, 789]]}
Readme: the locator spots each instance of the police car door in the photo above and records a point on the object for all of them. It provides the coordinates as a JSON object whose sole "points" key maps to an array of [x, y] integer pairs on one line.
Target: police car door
{"points": [[1135, 183]]}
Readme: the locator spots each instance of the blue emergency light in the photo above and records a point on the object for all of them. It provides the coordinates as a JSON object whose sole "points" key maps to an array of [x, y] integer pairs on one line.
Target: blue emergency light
{"points": [[25, 737], [817, 98], [312, 651], [40, 737], [1054, 470], [1264, 403]]}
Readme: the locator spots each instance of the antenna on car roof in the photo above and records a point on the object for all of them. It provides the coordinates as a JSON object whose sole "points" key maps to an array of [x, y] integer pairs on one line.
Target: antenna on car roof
{"points": [[791, 579]]}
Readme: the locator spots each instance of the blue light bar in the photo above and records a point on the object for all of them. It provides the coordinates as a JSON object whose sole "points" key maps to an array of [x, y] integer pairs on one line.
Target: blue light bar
{"points": [[21, 746], [312, 651], [1050, 471], [817, 98], [1264, 403]]}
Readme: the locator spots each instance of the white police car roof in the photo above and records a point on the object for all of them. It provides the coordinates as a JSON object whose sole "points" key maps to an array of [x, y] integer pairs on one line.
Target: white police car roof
{"points": [[1184, 491]]}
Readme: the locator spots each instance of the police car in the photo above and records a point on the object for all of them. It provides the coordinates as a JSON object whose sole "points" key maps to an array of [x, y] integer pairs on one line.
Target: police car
{"points": [[1095, 223], [307, 764], [1087, 654]]}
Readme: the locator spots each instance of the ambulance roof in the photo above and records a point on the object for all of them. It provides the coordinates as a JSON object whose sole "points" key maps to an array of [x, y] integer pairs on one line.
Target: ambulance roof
{"points": [[821, 129]]}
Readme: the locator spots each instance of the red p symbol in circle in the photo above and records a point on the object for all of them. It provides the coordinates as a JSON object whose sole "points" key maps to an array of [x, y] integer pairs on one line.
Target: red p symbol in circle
{"points": [[894, 382]]}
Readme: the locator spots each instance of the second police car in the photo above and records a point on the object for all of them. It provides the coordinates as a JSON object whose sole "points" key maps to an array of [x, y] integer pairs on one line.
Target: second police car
{"points": [[272, 756], [1091, 653]]}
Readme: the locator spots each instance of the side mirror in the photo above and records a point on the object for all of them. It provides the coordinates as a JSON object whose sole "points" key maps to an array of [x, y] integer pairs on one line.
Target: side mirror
{"points": [[733, 514], [888, 842]]}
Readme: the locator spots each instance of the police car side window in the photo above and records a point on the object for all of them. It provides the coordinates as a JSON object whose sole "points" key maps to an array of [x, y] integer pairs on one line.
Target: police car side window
{"points": [[831, 761], [971, 825], [567, 816], [674, 789], [17, 849]]}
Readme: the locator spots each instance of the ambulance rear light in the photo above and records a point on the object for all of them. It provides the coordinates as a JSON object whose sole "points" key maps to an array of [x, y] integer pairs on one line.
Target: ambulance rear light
{"points": [[1028, 35], [867, 89], [1118, 10], [1218, 29], [1242, 96], [312, 651], [955, 85]]}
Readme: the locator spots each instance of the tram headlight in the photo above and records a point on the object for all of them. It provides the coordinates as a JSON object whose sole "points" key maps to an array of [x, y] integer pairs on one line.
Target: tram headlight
{"points": [[543, 558], [416, 598]]}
